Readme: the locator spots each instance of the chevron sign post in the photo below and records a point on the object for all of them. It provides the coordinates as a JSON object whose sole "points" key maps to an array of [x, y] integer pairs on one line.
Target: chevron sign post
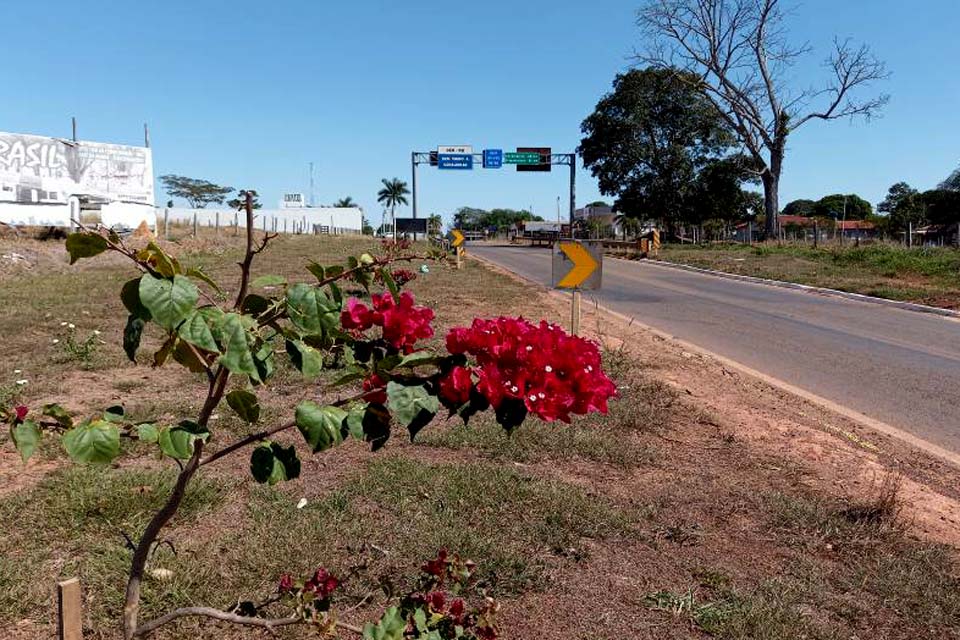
{"points": [[577, 266]]}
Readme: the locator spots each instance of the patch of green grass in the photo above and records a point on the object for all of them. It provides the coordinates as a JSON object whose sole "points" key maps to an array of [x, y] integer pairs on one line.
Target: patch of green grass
{"points": [[919, 274], [72, 524]]}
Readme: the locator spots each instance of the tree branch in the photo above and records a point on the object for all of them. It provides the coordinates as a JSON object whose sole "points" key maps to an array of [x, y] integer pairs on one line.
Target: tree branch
{"points": [[233, 618]]}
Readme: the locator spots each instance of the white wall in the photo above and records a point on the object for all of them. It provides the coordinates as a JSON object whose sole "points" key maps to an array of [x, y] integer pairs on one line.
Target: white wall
{"points": [[124, 214], [338, 219]]}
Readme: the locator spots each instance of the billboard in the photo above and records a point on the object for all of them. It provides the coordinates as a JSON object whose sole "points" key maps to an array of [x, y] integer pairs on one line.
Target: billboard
{"points": [[544, 159], [41, 170]]}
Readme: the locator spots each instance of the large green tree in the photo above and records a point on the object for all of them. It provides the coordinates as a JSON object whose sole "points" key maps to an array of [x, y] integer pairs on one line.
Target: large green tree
{"points": [[952, 183], [799, 207], [345, 203], [740, 58], [941, 206], [649, 143], [199, 193], [475, 219], [842, 207], [903, 206]]}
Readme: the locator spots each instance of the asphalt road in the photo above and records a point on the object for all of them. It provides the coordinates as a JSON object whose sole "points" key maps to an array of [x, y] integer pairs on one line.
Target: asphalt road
{"points": [[897, 366]]}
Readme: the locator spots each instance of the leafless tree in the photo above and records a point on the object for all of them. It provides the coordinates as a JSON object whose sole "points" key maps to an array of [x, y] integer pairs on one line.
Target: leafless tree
{"points": [[740, 52]]}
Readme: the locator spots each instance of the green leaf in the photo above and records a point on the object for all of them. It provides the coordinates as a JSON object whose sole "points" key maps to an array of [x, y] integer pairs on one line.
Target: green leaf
{"points": [[255, 304], [263, 359], [168, 301], [320, 426], [354, 421], [85, 245], [96, 442], [273, 463], [147, 432], [390, 627], [245, 404], [196, 331], [59, 414], [114, 414], [376, 426], [420, 358], [177, 442], [310, 310], [352, 373], [412, 406], [166, 265], [26, 437], [305, 358], [391, 284], [420, 619], [132, 334], [237, 356], [268, 281], [130, 296], [317, 270], [199, 274]]}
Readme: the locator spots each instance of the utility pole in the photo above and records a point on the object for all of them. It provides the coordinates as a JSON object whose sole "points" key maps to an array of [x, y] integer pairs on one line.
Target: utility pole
{"points": [[573, 188], [312, 203], [73, 123]]}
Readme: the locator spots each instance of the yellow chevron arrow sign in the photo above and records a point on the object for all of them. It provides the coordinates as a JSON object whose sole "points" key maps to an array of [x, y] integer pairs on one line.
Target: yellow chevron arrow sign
{"points": [[457, 238], [584, 265]]}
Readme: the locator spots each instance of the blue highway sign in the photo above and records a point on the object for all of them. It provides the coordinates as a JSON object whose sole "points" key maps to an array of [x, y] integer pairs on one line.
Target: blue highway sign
{"points": [[455, 161], [492, 158]]}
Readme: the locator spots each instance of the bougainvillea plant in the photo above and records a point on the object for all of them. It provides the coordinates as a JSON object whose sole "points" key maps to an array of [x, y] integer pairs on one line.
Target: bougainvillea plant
{"points": [[508, 365]]}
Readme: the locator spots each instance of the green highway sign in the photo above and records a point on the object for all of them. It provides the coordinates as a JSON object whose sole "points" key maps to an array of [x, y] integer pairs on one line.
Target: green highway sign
{"points": [[524, 157]]}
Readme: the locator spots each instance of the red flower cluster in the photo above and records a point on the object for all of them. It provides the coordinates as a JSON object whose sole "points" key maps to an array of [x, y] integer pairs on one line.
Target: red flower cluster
{"points": [[553, 373], [455, 386], [374, 388], [21, 412], [400, 276], [403, 323], [322, 583]]}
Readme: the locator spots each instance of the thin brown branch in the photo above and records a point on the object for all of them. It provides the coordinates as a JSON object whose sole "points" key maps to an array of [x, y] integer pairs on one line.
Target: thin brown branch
{"points": [[208, 612]]}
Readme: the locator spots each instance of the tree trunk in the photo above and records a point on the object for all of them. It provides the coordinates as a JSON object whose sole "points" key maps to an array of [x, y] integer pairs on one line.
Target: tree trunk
{"points": [[771, 201]]}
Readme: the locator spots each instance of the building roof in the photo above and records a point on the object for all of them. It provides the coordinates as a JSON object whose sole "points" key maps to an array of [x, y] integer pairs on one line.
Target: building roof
{"points": [[853, 225]]}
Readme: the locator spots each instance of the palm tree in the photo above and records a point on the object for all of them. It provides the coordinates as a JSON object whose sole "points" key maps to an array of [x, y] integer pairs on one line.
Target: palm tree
{"points": [[394, 192], [345, 203], [626, 223]]}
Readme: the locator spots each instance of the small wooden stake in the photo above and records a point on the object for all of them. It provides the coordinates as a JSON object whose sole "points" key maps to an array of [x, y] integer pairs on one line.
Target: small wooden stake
{"points": [[69, 610], [575, 313]]}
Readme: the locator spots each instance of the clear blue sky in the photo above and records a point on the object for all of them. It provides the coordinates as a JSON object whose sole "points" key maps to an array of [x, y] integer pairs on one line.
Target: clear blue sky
{"points": [[248, 93]]}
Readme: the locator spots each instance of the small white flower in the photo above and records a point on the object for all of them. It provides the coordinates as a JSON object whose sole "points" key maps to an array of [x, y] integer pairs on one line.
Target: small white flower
{"points": [[548, 368], [302, 503], [71, 326], [55, 341], [96, 332], [533, 397], [22, 382], [63, 324], [17, 371]]}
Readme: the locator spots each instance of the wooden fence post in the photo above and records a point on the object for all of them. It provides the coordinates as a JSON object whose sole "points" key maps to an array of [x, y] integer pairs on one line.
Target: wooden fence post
{"points": [[69, 610]]}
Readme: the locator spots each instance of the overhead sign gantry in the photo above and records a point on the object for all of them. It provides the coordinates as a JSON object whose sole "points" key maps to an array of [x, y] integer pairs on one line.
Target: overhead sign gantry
{"points": [[462, 158]]}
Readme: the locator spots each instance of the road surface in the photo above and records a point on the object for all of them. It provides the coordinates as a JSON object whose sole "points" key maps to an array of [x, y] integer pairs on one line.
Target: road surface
{"points": [[896, 366]]}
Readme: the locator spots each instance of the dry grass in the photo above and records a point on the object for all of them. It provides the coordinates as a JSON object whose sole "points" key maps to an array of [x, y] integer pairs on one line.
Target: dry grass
{"points": [[646, 523]]}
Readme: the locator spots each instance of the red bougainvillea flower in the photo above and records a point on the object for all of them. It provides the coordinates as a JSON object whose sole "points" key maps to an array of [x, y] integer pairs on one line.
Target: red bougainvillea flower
{"points": [[356, 316], [436, 600], [286, 583], [403, 323], [552, 372], [21, 412], [455, 386], [438, 566], [322, 583], [374, 388], [457, 608]]}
